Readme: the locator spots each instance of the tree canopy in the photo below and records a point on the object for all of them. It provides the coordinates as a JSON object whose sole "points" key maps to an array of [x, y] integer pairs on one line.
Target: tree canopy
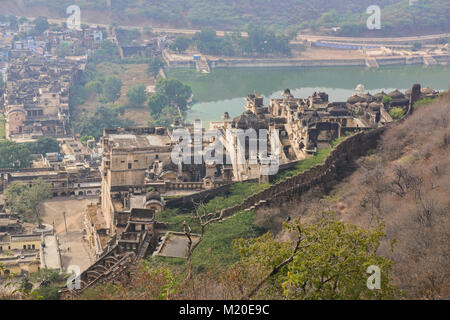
{"points": [[2, 85], [154, 66], [180, 44], [43, 145], [177, 92], [167, 116], [136, 96], [157, 102], [111, 89], [103, 117], [328, 259], [40, 24], [14, 155], [260, 41], [24, 199], [396, 113]]}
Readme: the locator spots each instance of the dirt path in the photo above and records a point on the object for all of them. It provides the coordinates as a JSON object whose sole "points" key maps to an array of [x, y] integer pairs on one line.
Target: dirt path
{"points": [[74, 250]]}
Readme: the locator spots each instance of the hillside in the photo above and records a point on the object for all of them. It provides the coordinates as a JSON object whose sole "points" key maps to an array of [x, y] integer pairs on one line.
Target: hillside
{"points": [[405, 184], [398, 17], [401, 187]]}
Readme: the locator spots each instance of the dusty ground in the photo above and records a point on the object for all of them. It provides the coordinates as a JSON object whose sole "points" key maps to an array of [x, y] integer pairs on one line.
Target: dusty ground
{"points": [[74, 249], [317, 54], [140, 116], [308, 54], [130, 75]]}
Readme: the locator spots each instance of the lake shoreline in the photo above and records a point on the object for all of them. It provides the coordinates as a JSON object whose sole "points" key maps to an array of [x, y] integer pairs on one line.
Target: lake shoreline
{"points": [[225, 89], [442, 59]]}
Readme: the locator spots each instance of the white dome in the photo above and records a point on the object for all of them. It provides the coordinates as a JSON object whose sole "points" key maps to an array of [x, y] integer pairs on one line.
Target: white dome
{"points": [[360, 89]]}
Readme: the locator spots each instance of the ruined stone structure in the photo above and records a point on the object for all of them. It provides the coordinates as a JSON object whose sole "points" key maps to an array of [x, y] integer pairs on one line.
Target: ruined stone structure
{"points": [[81, 182], [138, 234], [37, 96], [139, 159], [296, 127]]}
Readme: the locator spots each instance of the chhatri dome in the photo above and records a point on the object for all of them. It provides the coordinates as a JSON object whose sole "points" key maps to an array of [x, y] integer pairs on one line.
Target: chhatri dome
{"points": [[360, 89]]}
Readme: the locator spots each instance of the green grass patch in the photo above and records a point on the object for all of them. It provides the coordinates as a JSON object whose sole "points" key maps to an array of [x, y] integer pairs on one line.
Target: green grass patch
{"points": [[238, 193], [2, 127], [158, 261], [303, 165], [308, 163], [423, 102], [216, 249], [175, 196]]}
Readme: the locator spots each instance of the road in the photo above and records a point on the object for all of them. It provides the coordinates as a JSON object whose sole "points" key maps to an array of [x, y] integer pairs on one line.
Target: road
{"points": [[74, 250], [300, 37]]}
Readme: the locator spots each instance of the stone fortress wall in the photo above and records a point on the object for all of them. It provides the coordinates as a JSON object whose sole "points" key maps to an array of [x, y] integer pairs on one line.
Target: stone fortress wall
{"points": [[341, 156], [293, 187]]}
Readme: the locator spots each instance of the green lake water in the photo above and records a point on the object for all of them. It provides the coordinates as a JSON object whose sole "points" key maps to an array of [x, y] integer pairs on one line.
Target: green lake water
{"points": [[225, 89]]}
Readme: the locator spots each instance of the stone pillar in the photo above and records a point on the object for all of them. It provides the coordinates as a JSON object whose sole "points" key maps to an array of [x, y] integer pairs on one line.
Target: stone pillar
{"points": [[415, 94]]}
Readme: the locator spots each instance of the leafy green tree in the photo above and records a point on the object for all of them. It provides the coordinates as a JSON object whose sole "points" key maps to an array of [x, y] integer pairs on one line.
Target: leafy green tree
{"points": [[41, 24], [396, 113], [209, 43], [24, 199], [177, 92], [107, 51], [14, 155], [327, 260], [95, 86], [416, 46], [26, 286], [157, 102], [386, 99], [136, 96], [43, 145], [50, 282], [85, 139], [2, 85], [330, 18], [13, 23], [263, 41], [154, 66], [167, 116], [103, 117], [111, 89], [63, 50], [180, 44]]}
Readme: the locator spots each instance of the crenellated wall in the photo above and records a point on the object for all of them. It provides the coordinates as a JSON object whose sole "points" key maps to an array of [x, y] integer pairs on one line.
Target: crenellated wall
{"points": [[293, 187], [340, 157]]}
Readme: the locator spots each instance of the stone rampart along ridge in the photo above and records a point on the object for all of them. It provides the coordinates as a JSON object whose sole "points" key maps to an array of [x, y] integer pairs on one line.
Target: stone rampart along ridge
{"points": [[341, 156], [293, 187]]}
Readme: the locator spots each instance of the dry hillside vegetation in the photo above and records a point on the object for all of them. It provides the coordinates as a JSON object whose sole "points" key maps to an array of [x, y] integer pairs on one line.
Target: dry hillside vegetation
{"points": [[404, 184]]}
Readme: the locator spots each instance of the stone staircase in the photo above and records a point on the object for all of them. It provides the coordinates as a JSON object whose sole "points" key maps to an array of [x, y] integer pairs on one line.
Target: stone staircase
{"points": [[143, 247], [202, 65], [372, 63], [429, 60]]}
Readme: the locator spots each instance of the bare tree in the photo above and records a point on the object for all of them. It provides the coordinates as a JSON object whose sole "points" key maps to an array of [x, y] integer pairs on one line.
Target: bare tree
{"points": [[204, 219]]}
